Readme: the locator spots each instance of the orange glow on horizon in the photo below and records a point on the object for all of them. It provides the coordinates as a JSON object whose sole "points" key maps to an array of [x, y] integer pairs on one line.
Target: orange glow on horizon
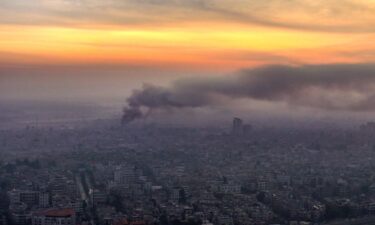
{"points": [[215, 46]]}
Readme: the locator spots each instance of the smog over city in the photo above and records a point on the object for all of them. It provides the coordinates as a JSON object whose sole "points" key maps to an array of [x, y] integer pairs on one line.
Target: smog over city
{"points": [[187, 112]]}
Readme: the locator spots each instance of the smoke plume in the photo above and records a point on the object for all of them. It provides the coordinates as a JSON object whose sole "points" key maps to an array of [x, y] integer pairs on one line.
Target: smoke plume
{"points": [[325, 87]]}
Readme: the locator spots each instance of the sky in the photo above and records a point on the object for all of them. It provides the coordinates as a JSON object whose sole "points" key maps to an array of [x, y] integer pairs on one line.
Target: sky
{"points": [[197, 34], [91, 49]]}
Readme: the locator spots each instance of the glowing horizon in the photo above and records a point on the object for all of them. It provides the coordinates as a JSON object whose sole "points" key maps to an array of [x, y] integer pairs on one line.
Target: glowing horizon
{"points": [[217, 35]]}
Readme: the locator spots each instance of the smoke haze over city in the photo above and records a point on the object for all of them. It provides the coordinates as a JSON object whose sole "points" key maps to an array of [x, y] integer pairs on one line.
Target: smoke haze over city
{"points": [[187, 112], [298, 55]]}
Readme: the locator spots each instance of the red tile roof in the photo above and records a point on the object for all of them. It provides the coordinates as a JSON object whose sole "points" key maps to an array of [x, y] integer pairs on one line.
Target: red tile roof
{"points": [[121, 222], [56, 213]]}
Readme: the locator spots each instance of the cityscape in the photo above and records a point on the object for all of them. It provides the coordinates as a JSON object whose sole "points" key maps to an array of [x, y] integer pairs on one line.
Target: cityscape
{"points": [[143, 174], [187, 112]]}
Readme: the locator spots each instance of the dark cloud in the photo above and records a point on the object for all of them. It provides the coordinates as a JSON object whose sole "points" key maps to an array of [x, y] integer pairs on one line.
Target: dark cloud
{"points": [[326, 87]]}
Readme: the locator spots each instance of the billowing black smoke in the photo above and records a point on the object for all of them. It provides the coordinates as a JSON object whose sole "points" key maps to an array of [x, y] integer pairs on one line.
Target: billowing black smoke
{"points": [[327, 87], [131, 114]]}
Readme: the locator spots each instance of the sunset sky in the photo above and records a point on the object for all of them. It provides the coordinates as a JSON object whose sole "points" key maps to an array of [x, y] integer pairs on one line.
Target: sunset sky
{"points": [[198, 34], [73, 48]]}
